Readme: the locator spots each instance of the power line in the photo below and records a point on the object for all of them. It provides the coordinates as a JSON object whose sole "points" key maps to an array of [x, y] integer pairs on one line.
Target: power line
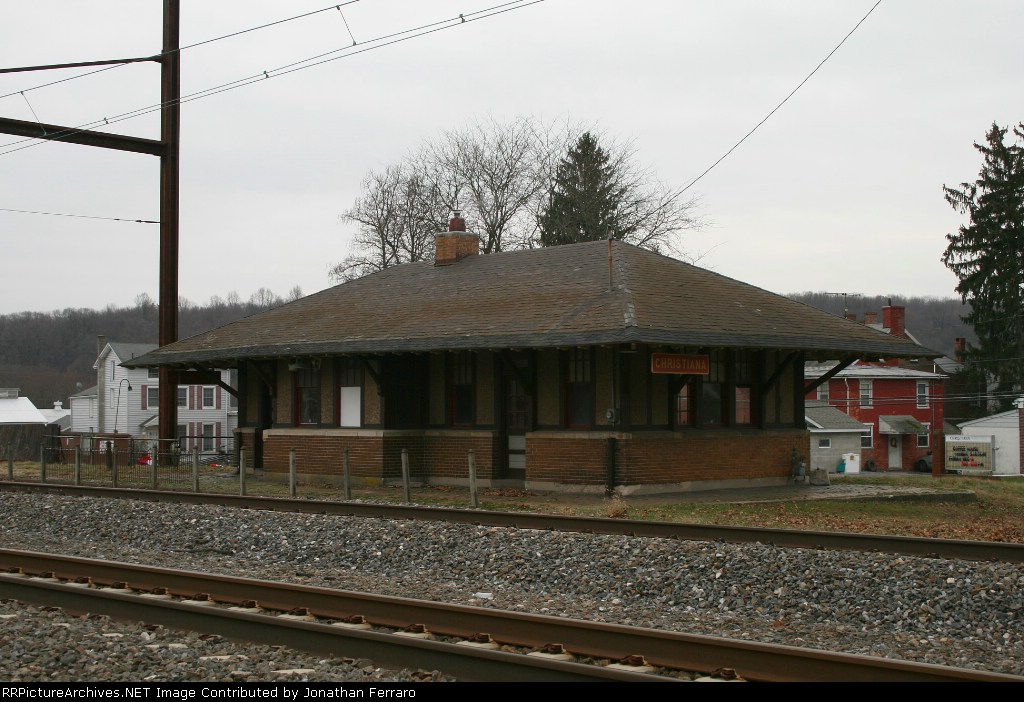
{"points": [[784, 101], [120, 63], [319, 59], [62, 214]]}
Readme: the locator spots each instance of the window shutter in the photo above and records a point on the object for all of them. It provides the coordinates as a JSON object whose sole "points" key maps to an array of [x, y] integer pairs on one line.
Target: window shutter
{"points": [[145, 398], [216, 395], [216, 428], [191, 396]]}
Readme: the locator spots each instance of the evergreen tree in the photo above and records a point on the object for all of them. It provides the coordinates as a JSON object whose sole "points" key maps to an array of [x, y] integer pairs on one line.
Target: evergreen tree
{"points": [[584, 200], [987, 256]]}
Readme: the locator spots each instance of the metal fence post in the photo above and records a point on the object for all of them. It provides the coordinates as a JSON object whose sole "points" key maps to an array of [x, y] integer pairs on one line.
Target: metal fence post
{"points": [[42, 463], [405, 474], [152, 471], [291, 472], [78, 464], [345, 476], [472, 479], [113, 464], [195, 463]]}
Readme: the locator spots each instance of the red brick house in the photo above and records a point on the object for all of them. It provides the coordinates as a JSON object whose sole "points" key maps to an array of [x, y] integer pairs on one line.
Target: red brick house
{"points": [[901, 408], [593, 366]]}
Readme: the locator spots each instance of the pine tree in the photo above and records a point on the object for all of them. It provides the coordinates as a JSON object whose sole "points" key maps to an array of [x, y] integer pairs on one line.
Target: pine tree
{"points": [[987, 256], [583, 203]]}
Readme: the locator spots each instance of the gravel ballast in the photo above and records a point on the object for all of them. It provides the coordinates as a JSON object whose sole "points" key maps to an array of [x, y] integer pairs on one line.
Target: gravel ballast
{"points": [[947, 612]]}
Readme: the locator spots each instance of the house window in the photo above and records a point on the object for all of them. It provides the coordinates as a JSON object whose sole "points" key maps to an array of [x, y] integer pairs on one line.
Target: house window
{"points": [[922, 394], [922, 438], [183, 396], [153, 373], [153, 397], [233, 382], [865, 393], [208, 437], [824, 443], [867, 436], [462, 389], [350, 382], [823, 392], [579, 389], [307, 396], [209, 397]]}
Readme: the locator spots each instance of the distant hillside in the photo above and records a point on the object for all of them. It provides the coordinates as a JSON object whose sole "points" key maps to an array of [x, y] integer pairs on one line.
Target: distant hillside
{"points": [[50, 355], [934, 322]]}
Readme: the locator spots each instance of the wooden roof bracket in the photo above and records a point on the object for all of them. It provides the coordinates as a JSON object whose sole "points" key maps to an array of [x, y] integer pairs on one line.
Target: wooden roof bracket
{"points": [[527, 383], [372, 372], [774, 379], [840, 367]]}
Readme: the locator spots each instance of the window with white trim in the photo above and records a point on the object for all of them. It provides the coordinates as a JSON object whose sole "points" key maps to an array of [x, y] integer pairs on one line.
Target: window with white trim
{"points": [[153, 397], [824, 443], [922, 394], [208, 437], [183, 396], [867, 436], [209, 397], [922, 439], [823, 392], [866, 393], [153, 373]]}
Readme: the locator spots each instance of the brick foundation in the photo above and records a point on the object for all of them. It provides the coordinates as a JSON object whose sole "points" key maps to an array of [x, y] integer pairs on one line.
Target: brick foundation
{"points": [[557, 460]]}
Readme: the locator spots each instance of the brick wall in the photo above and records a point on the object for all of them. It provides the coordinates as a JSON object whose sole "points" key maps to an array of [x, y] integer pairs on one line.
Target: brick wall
{"points": [[663, 457], [562, 458], [376, 456]]}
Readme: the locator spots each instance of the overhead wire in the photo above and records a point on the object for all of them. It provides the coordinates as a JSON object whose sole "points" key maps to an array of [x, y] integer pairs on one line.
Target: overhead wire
{"points": [[310, 62], [784, 101]]}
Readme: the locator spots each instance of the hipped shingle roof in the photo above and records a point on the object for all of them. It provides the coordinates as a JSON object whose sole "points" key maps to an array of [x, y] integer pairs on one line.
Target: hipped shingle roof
{"points": [[578, 294]]}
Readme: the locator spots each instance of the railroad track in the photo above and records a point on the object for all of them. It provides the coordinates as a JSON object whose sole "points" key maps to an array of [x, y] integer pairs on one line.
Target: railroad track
{"points": [[910, 546], [467, 642]]}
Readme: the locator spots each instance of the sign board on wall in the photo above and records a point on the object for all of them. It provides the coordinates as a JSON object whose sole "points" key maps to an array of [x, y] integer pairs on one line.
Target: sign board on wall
{"points": [[680, 363], [964, 452]]}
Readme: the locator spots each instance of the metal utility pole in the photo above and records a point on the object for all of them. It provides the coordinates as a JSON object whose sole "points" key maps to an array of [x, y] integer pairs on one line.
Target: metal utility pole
{"points": [[167, 149], [170, 125]]}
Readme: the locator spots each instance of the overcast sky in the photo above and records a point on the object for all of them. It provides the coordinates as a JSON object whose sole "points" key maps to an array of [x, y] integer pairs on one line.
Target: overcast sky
{"points": [[839, 191]]}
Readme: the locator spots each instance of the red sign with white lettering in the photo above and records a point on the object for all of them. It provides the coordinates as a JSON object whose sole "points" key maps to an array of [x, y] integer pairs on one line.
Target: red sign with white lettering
{"points": [[680, 364]]}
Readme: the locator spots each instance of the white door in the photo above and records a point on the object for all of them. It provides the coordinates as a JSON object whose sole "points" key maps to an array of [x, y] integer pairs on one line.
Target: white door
{"points": [[895, 452]]}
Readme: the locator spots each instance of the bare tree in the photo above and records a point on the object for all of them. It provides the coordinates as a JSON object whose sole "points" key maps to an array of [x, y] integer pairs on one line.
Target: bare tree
{"points": [[396, 218], [499, 176]]}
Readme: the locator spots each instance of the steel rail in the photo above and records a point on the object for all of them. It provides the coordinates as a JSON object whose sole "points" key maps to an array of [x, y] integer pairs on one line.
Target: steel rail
{"points": [[385, 649], [904, 545], [704, 654]]}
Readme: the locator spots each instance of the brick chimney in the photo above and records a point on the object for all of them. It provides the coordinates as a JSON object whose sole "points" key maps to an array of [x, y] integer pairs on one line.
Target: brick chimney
{"points": [[870, 318], [455, 244], [959, 349], [894, 320]]}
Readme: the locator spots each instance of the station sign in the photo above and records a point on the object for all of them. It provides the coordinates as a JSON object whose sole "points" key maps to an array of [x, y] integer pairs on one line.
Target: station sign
{"points": [[680, 363], [965, 452]]}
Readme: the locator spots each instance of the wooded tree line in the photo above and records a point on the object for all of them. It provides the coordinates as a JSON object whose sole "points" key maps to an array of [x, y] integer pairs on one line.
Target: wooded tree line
{"points": [[49, 355]]}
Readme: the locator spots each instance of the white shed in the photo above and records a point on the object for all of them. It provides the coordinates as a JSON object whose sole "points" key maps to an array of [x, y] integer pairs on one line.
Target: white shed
{"points": [[1005, 428]]}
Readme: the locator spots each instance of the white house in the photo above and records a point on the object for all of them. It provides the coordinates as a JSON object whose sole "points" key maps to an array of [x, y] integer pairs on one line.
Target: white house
{"points": [[1006, 430], [126, 401]]}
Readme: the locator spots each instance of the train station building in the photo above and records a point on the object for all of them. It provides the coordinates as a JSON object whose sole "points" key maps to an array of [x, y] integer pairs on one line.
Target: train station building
{"points": [[597, 366]]}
